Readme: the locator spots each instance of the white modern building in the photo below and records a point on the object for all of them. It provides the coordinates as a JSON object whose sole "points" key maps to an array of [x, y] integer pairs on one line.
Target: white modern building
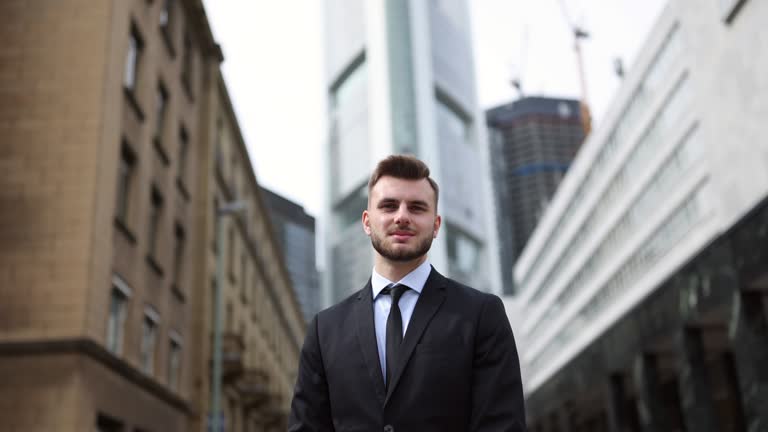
{"points": [[620, 269], [400, 79]]}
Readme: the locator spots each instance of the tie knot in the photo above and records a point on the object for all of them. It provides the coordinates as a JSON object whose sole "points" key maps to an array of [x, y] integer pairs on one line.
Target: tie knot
{"points": [[395, 290]]}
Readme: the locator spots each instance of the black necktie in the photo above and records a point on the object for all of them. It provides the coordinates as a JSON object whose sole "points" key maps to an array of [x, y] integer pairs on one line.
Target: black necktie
{"points": [[394, 328]]}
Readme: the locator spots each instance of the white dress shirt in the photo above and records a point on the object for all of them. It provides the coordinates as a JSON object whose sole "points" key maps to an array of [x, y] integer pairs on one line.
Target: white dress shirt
{"points": [[414, 280]]}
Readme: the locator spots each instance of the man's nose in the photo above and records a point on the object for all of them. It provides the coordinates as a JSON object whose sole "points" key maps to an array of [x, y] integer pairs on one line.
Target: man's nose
{"points": [[402, 216]]}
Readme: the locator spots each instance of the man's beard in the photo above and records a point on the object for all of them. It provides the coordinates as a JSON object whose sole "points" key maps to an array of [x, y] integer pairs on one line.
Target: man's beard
{"points": [[400, 255]]}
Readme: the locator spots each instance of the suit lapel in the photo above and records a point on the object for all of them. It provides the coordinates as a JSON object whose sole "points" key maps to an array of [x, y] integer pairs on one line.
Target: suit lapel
{"points": [[430, 299], [366, 336]]}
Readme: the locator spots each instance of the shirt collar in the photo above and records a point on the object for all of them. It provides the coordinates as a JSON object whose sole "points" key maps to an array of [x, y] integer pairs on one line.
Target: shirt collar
{"points": [[414, 280]]}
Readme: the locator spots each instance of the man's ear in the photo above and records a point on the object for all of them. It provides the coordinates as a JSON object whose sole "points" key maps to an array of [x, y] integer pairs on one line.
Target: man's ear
{"points": [[366, 223], [436, 228]]}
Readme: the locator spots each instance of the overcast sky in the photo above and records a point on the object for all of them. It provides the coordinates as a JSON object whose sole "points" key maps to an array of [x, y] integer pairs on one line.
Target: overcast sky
{"points": [[274, 69]]}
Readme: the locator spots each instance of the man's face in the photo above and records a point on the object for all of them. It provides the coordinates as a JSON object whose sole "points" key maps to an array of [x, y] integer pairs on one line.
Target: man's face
{"points": [[401, 218]]}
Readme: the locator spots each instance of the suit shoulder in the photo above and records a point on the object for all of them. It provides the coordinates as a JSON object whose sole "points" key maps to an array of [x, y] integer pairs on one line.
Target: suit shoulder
{"points": [[341, 308], [467, 292]]}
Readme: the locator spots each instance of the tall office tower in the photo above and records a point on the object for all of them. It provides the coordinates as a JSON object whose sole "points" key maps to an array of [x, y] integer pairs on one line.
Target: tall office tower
{"points": [[295, 231], [400, 79], [533, 141], [645, 283]]}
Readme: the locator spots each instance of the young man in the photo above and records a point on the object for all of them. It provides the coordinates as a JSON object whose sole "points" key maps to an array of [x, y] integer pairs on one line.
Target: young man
{"points": [[412, 351]]}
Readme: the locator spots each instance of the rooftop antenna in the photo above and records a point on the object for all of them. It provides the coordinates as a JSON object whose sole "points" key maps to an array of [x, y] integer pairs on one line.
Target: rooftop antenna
{"points": [[518, 73]]}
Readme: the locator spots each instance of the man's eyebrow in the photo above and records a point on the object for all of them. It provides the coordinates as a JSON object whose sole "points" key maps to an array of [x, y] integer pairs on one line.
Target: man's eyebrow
{"points": [[419, 202], [394, 200], [388, 200]]}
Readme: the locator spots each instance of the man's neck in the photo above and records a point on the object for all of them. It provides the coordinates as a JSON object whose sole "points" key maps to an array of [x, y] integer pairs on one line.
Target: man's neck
{"points": [[396, 270]]}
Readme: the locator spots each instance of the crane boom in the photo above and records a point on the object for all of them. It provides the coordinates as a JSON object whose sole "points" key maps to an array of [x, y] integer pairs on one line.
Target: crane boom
{"points": [[578, 34]]}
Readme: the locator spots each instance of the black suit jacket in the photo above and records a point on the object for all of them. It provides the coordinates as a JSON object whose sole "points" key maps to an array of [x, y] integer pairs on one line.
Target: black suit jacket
{"points": [[458, 368]]}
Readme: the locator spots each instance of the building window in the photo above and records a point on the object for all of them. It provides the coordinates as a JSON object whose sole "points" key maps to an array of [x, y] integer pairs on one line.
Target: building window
{"points": [[730, 8], [463, 251], [149, 340], [183, 152], [174, 360], [155, 213], [178, 254], [118, 310], [162, 108], [453, 123], [125, 175], [186, 64], [165, 14], [243, 275], [108, 424], [132, 60]]}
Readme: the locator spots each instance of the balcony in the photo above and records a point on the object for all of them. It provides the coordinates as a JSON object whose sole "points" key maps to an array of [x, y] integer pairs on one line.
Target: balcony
{"points": [[272, 412], [232, 355], [252, 388]]}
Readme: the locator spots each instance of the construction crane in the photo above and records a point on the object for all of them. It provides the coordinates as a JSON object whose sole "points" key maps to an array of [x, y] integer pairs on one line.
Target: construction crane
{"points": [[579, 33]]}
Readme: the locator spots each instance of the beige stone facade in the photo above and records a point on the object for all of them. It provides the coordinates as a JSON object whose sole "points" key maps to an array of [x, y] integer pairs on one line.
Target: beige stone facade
{"points": [[108, 119], [262, 323]]}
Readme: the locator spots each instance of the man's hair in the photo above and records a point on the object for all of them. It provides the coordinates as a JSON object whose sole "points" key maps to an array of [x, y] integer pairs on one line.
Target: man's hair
{"points": [[404, 167]]}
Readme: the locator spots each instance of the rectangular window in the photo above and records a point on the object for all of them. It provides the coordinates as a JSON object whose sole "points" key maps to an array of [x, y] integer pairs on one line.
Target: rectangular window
{"points": [[730, 8], [453, 123], [174, 360], [118, 310], [463, 251], [178, 254], [125, 174], [148, 340], [162, 107], [132, 60], [165, 14], [186, 64], [108, 424], [183, 151], [243, 274], [155, 213]]}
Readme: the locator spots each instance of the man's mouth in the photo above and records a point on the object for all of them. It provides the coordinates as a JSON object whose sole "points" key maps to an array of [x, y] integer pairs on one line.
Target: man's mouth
{"points": [[402, 235]]}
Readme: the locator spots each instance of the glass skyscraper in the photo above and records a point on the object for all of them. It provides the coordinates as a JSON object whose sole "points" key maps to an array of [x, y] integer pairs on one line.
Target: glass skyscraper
{"points": [[400, 79]]}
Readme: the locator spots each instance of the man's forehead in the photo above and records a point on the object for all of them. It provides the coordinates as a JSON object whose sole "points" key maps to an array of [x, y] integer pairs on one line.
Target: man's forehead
{"points": [[395, 189]]}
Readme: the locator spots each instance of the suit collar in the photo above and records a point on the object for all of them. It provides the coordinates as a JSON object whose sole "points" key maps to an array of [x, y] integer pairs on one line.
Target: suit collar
{"points": [[366, 337], [430, 300], [414, 280]]}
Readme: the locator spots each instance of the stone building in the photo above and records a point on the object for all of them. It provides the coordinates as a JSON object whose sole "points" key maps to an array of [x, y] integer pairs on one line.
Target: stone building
{"points": [[106, 183], [263, 325]]}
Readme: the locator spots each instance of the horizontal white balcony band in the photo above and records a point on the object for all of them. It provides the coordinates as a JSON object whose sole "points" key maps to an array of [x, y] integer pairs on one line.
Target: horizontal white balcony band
{"points": [[690, 185], [697, 239]]}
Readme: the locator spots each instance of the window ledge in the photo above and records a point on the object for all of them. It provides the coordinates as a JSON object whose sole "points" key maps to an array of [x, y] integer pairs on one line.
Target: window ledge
{"points": [[161, 150], [182, 189], [123, 228], [187, 86], [165, 31], [154, 265], [178, 294], [130, 95]]}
